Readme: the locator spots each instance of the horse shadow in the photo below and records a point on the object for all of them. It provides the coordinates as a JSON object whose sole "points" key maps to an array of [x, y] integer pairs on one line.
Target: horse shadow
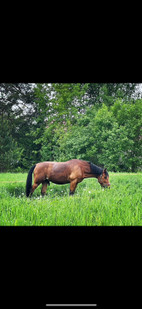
{"points": [[16, 190]]}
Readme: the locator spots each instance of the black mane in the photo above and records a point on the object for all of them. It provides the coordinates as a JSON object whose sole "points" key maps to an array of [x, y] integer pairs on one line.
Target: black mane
{"points": [[95, 169]]}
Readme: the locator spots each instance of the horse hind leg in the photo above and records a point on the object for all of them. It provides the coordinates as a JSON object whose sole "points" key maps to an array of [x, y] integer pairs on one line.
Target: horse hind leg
{"points": [[44, 187], [35, 185]]}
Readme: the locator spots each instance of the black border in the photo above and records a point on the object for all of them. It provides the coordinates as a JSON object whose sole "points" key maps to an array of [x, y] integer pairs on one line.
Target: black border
{"points": [[114, 64], [99, 265], [71, 265]]}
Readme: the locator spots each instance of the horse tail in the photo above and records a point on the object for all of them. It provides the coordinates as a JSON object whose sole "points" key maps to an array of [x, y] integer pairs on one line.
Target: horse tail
{"points": [[29, 181]]}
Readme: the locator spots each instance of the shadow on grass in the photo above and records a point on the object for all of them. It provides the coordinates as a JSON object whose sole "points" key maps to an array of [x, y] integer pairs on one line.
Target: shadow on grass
{"points": [[15, 190], [19, 190]]}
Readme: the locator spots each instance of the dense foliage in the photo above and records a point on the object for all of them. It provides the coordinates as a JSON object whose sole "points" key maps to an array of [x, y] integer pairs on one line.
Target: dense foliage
{"points": [[101, 123]]}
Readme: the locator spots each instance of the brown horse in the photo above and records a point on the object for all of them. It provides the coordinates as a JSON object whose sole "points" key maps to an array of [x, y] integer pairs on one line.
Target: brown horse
{"points": [[73, 172]]}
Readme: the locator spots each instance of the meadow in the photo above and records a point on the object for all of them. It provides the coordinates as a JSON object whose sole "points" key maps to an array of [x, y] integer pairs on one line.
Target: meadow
{"points": [[121, 205]]}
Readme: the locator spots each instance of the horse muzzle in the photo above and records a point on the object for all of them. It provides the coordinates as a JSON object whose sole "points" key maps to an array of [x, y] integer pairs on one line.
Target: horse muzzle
{"points": [[106, 185]]}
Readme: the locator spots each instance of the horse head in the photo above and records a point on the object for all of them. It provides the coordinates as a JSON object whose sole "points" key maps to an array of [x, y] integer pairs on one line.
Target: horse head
{"points": [[103, 179]]}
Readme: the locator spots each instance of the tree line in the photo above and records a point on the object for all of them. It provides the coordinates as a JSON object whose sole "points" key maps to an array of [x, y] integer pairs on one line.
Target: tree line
{"points": [[98, 122]]}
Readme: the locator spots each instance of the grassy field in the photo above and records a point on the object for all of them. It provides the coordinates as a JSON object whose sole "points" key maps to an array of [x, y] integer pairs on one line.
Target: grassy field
{"points": [[91, 205]]}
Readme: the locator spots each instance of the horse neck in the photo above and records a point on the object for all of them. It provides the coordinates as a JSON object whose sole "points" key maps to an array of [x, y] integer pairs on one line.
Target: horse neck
{"points": [[94, 170]]}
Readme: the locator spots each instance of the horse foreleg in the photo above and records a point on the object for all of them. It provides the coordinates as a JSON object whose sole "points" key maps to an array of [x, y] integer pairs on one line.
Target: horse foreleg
{"points": [[73, 185]]}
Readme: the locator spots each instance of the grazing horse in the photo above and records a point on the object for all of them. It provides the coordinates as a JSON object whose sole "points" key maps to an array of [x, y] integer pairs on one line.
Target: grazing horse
{"points": [[73, 172]]}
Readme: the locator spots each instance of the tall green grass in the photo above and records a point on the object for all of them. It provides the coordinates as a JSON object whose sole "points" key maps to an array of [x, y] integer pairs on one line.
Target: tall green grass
{"points": [[91, 205]]}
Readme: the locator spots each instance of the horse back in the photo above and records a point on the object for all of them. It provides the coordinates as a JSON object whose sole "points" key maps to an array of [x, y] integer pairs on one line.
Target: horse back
{"points": [[59, 172]]}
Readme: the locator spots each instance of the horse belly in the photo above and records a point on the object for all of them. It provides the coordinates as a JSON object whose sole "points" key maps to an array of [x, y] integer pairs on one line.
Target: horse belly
{"points": [[59, 174], [59, 179]]}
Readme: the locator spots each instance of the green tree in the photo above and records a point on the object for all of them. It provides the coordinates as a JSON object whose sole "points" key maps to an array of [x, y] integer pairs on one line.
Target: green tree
{"points": [[129, 117], [100, 138], [16, 112], [68, 100], [10, 154], [108, 93], [97, 122]]}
